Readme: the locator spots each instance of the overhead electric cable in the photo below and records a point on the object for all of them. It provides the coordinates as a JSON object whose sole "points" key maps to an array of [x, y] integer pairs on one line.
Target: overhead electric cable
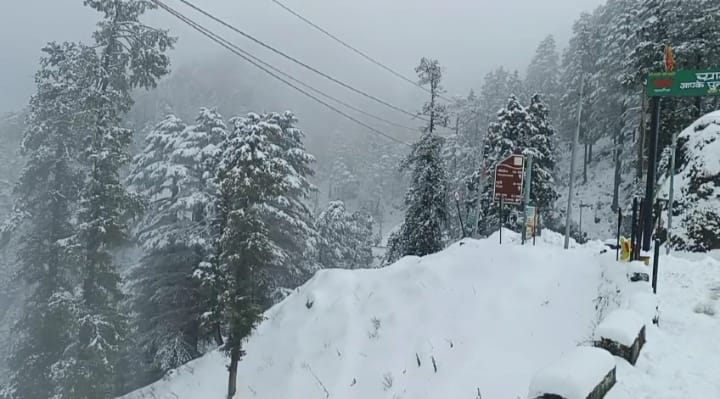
{"points": [[224, 43], [296, 61], [355, 49]]}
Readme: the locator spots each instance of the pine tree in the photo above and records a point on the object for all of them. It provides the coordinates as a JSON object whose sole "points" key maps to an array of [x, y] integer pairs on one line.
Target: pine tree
{"points": [[174, 174], [541, 146], [46, 192], [343, 182], [248, 178], [615, 96], [577, 65], [345, 238], [509, 134], [426, 199], [127, 54], [493, 96], [290, 221], [543, 73], [515, 86]]}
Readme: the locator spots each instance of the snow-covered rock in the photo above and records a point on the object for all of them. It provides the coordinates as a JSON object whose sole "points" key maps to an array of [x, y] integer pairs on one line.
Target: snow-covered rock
{"points": [[621, 326], [573, 376]]}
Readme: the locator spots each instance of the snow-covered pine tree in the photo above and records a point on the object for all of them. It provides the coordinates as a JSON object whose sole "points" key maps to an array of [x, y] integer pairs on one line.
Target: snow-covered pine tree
{"points": [[493, 96], [515, 86], [174, 175], [127, 54], [248, 178], [426, 199], [346, 239], [290, 221], [543, 74], [577, 63], [509, 134], [615, 102], [343, 182], [541, 145], [46, 192]]}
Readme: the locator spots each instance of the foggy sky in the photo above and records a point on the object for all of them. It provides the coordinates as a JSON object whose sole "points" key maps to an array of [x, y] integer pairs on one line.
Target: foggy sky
{"points": [[469, 37]]}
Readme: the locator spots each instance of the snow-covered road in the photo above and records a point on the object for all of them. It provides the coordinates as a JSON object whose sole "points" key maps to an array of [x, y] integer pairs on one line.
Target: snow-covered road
{"points": [[682, 356]]}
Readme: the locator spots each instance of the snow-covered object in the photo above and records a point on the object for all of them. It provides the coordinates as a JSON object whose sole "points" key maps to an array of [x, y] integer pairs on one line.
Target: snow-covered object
{"points": [[621, 326], [697, 186], [486, 315], [645, 304], [575, 375]]}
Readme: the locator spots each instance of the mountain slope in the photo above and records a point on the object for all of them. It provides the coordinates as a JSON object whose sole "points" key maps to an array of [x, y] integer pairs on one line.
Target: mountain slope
{"points": [[487, 316]]}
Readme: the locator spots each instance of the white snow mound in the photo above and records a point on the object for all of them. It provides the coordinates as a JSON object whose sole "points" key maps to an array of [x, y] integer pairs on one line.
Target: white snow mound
{"points": [[477, 317], [573, 376], [621, 326]]}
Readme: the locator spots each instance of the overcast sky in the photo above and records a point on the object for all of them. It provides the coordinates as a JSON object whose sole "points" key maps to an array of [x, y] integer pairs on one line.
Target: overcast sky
{"points": [[469, 37]]}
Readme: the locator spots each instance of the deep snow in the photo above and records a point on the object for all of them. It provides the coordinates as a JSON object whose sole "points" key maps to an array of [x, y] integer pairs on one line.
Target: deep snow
{"points": [[488, 317], [574, 375]]}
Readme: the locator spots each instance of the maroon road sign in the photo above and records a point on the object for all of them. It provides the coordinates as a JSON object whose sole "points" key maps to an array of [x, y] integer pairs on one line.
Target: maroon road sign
{"points": [[509, 175]]}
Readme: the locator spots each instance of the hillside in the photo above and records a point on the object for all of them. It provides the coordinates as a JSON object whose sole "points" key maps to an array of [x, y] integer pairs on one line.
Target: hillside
{"points": [[488, 316], [697, 186]]}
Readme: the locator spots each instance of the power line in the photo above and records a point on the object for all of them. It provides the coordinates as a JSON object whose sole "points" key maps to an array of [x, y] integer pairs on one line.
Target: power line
{"points": [[224, 43], [311, 88], [302, 64], [354, 49]]}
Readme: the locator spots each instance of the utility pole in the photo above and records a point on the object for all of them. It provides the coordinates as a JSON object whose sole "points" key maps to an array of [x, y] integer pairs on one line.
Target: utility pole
{"points": [[670, 195], [526, 200], [573, 152]]}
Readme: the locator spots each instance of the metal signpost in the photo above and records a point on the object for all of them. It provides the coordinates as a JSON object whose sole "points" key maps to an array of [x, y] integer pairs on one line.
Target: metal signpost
{"points": [[509, 177], [508, 188], [687, 83]]}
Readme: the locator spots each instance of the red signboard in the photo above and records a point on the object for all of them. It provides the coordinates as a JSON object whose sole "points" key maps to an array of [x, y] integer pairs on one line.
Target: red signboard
{"points": [[509, 175]]}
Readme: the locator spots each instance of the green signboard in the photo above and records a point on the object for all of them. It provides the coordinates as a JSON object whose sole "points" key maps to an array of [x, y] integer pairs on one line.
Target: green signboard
{"points": [[690, 83]]}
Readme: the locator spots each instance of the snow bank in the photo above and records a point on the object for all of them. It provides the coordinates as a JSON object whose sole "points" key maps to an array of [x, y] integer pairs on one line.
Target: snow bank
{"points": [[645, 304], [575, 375], [477, 316], [696, 187], [621, 326]]}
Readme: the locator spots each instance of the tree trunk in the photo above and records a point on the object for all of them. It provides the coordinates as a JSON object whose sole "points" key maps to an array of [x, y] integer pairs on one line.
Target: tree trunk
{"points": [[590, 152], [218, 335], [618, 169], [232, 369]]}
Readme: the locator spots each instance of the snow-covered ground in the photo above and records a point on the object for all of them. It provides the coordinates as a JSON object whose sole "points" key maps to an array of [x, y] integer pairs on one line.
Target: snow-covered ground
{"points": [[475, 319], [597, 193], [682, 356]]}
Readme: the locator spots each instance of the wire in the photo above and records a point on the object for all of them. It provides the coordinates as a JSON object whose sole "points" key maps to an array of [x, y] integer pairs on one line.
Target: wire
{"points": [[311, 88], [355, 50], [302, 64], [219, 40]]}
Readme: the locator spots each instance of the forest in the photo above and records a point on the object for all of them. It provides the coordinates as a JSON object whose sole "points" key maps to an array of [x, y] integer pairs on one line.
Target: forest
{"points": [[151, 217]]}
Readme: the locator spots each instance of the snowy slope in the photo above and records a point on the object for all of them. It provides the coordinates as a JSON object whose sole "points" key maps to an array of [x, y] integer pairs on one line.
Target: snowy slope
{"points": [[598, 191], [697, 191], [488, 316]]}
